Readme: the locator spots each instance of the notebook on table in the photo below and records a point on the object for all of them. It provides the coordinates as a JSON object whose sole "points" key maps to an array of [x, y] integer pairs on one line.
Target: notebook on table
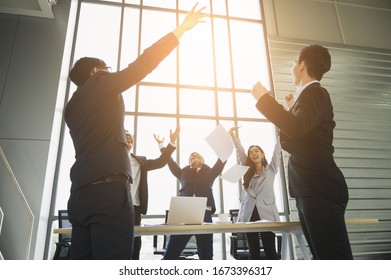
{"points": [[187, 210]]}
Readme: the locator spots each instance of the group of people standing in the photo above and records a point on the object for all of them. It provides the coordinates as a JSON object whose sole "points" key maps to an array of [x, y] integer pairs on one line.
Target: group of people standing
{"points": [[109, 191]]}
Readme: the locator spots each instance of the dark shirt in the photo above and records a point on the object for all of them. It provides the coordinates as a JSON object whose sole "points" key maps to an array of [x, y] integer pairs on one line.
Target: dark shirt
{"points": [[199, 183], [95, 117]]}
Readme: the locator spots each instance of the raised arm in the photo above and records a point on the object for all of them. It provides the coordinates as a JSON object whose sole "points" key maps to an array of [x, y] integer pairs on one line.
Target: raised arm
{"points": [[166, 153], [217, 168], [173, 166], [276, 158], [240, 153], [192, 19], [151, 57]]}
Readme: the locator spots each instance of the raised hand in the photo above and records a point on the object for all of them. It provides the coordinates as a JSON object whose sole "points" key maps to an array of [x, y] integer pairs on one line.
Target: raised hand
{"points": [[258, 90], [232, 130], [174, 136], [289, 100], [192, 19], [158, 139]]}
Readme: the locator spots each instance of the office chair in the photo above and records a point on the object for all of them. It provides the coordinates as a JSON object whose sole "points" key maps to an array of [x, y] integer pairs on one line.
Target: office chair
{"points": [[239, 248], [188, 252], [63, 245]]}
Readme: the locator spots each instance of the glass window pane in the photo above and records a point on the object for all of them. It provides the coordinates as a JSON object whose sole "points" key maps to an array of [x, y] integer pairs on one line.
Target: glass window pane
{"points": [[249, 54], [129, 50], [129, 99], [219, 7], [257, 133], [136, 2], [155, 25], [159, 3], [188, 5], [197, 102], [115, 1], [196, 57], [223, 60], [97, 37], [157, 100], [63, 179], [245, 106], [226, 105], [129, 123], [251, 9], [192, 139]]}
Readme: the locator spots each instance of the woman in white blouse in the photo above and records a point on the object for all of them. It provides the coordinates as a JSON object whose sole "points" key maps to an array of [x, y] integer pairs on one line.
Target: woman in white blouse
{"points": [[258, 201]]}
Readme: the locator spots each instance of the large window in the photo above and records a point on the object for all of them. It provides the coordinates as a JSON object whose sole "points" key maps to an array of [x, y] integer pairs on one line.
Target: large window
{"points": [[204, 82]]}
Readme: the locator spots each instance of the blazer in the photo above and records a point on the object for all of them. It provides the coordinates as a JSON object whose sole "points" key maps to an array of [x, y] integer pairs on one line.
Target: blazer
{"points": [[260, 192], [145, 166], [197, 183], [95, 117], [306, 132]]}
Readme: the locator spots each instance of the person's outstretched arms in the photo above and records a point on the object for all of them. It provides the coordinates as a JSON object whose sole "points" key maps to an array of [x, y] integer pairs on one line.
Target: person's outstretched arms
{"points": [[240, 153], [174, 135], [136, 71], [161, 161], [174, 167], [192, 19], [277, 156]]}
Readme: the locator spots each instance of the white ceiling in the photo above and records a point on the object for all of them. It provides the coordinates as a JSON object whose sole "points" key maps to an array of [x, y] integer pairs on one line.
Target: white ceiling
{"points": [[35, 8]]}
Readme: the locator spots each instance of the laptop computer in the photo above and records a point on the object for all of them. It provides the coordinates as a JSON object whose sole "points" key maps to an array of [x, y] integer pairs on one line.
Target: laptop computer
{"points": [[186, 210]]}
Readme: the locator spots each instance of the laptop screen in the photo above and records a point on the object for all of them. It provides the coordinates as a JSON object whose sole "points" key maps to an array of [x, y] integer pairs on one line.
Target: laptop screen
{"points": [[187, 210]]}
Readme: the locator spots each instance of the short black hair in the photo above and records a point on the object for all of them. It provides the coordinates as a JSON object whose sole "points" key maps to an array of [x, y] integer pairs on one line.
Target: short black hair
{"points": [[317, 60], [80, 71]]}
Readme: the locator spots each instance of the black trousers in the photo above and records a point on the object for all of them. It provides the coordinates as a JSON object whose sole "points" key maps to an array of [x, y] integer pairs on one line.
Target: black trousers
{"points": [[268, 241], [102, 218], [137, 240], [324, 227], [177, 243]]}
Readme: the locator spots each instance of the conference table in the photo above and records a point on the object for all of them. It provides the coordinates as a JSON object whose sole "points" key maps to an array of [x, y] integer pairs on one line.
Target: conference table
{"points": [[286, 228]]}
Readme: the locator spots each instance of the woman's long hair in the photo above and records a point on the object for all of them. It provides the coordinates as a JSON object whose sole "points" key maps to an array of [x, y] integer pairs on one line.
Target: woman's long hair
{"points": [[248, 162]]}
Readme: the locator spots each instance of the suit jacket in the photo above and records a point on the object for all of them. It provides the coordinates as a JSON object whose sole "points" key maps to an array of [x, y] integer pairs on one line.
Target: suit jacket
{"points": [[95, 117], [145, 166], [306, 132], [260, 192], [197, 183]]}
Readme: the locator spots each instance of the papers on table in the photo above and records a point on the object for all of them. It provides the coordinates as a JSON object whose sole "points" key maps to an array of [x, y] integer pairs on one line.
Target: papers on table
{"points": [[235, 173], [221, 143]]}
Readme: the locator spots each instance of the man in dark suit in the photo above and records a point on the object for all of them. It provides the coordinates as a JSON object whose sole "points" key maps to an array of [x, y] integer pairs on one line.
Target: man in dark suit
{"points": [[139, 188], [196, 179], [100, 205], [306, 132]]}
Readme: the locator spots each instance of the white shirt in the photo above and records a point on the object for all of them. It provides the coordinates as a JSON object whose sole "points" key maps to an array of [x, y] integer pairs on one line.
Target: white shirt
{"points": [[299, 90], [136, 174]]}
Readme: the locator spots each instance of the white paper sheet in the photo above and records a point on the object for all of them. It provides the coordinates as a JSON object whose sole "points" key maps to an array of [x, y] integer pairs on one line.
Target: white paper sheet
{"points": [[221, 143], [235, 173]]}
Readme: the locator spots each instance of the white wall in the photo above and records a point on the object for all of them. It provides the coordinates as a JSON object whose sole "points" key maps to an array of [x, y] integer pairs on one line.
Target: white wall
{"points": [[31, 53]]}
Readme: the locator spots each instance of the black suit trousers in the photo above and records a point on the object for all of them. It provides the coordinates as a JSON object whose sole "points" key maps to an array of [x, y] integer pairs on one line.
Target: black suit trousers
{"points": [[268, 241], [323, 224], [137, 240], [102, 218]]}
